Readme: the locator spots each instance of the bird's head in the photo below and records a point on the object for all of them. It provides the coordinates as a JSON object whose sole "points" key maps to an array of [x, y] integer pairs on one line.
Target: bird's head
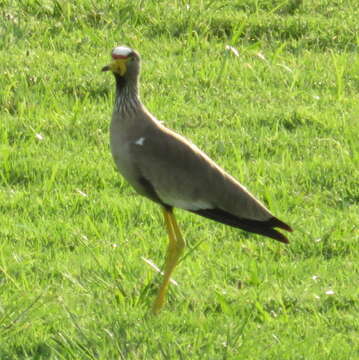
{"points": [[125, 62]]}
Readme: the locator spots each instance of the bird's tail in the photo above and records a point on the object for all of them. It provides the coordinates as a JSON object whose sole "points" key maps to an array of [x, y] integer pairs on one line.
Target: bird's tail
{"points": [[260, 227]]}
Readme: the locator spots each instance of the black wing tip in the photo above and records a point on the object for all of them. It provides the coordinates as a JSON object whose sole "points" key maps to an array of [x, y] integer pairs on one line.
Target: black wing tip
{"points": [[260, 227], [279, 237], [275, 222], [273, 233], [266, 229]]}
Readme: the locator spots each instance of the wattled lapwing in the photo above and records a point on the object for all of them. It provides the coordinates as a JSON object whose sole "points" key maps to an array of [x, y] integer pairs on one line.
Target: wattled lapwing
{"points": [[173, 172]]}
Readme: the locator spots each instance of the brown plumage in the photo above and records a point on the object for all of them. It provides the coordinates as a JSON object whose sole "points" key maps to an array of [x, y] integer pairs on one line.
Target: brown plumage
{"points": [[170, 170]]}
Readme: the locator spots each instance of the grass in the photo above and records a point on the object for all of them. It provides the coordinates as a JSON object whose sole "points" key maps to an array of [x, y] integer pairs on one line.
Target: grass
{"points": [[282, 117]]}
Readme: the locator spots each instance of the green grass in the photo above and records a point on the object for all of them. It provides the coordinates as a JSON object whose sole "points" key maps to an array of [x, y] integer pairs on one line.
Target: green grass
{"points": [[282, 117]]}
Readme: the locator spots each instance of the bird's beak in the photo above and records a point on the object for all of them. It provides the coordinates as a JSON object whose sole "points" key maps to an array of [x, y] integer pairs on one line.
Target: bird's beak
{"points": [[117, 66]]}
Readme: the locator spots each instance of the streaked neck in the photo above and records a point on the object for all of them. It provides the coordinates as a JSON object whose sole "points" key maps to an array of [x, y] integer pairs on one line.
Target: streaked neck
{"points": [[127, 97]]}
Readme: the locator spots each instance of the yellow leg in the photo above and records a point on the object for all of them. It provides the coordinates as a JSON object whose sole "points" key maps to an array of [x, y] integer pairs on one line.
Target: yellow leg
{"points": [[174, 251]]}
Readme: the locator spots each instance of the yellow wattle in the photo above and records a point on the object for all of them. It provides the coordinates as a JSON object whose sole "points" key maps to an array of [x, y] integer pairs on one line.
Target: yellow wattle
{"points": [[118, 66]]}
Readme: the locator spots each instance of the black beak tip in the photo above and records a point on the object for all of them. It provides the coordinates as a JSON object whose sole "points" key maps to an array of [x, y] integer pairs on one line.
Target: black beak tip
{"points": [[105, 68]]}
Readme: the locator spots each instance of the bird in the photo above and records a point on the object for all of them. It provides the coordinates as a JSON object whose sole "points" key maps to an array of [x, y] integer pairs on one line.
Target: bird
{"points": [[170, 170]]}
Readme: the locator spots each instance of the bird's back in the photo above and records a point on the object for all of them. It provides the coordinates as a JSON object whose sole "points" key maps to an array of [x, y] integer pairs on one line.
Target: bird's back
{"points": [[185, 177]]}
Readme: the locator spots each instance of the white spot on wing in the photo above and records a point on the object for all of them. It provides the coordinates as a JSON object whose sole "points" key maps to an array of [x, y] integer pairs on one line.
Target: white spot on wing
{"points": [[121, 51], [140, 141]]}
